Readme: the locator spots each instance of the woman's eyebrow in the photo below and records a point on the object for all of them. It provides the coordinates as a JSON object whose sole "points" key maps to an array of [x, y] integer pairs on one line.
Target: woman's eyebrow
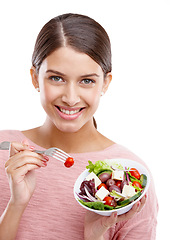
{"points": [[56, 72], [82, 76], [90, 75]]}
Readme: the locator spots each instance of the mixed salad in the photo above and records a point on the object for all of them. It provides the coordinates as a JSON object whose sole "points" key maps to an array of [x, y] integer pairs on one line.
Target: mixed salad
{"points": [[109, 187]]}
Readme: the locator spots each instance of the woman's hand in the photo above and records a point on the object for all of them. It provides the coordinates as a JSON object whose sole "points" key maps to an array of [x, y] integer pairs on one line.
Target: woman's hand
{"points": [[96, 225], [20, 169]]}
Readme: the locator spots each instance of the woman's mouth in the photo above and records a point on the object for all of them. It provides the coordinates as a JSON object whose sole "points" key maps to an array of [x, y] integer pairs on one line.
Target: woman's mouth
{"points": [[69, 113]]}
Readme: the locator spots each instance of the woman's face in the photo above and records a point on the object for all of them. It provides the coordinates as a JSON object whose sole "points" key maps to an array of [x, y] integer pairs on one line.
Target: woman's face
{"points": [[70, 85]]}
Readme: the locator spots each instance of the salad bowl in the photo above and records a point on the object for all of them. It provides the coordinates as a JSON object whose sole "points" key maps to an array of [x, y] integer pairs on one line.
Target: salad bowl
{"points": [[124, 164]]}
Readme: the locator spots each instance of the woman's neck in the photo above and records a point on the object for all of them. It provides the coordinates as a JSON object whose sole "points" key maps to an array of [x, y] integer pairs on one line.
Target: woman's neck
{"points": [[68, 141], [87, 139]]}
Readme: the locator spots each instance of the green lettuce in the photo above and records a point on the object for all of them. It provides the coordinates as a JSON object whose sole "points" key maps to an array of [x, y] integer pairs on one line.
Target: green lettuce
{"points": [[98, 167], [132, 178], [111, 162], [115, 194], [96, 205]]}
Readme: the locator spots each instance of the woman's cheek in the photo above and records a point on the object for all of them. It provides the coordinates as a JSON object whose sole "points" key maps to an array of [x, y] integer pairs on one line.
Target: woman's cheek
{"points": [[93, 99], [48, 94]]}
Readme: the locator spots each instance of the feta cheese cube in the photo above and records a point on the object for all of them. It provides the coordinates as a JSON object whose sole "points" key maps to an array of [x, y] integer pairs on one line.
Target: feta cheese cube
{"points": [[91, 176], [102, 193], [128, 191], [118, 175]]}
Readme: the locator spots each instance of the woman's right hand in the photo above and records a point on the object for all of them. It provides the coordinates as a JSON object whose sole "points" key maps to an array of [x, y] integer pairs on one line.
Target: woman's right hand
{"points": [[20, 169]]}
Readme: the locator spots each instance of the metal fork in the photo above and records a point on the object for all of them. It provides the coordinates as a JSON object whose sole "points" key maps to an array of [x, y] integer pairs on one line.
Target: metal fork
{"points": [[52, 152], [55, 153]]}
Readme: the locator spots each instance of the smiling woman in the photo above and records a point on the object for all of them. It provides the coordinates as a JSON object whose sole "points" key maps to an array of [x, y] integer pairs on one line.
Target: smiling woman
{"points": [[71, 68]]}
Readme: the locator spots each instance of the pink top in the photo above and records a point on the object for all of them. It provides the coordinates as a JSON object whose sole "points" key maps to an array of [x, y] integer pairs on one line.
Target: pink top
{"points": [[53, 213]]}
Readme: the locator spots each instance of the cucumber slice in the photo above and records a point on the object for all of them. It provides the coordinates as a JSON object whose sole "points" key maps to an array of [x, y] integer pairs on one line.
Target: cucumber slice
{"points": [[143, 179], [104, 171], [129, 200]]}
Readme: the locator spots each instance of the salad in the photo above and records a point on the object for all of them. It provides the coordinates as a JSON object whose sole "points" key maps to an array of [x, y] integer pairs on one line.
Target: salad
{"points": [[110, 186]]}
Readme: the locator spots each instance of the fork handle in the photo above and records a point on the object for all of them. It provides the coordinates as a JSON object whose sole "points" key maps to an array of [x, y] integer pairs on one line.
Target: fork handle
{"points": [[38, 151]]}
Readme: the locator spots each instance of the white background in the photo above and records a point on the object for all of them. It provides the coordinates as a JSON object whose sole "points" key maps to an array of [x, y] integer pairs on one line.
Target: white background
{"points": [[135, 110]]}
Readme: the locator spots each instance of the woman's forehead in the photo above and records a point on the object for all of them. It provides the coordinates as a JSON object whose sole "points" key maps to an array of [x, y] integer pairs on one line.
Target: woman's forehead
{"points": [[67, 60]]}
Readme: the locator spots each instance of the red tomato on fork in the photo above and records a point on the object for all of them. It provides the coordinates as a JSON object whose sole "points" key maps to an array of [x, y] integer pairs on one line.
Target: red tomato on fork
{"points": [[69, 162]]}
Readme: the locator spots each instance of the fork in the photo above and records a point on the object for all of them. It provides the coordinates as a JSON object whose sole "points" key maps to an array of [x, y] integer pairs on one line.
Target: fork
{"points": [[55, 153], [52, 152]]}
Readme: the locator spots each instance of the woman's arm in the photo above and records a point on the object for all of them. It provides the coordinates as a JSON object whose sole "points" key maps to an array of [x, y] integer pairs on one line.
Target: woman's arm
{"points": [[9, 221], [21, 176]]}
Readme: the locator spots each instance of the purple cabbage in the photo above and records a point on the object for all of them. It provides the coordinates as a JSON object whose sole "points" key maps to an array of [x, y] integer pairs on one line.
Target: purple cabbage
{"points": [[88, 185]]}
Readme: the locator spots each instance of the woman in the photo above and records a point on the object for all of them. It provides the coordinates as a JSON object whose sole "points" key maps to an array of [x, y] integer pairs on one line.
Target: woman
{"points": [[71, 69]]}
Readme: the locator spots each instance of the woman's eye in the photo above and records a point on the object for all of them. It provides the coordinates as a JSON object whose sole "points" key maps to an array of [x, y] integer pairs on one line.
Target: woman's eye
{"points": [[87, 81], [56, 78]]}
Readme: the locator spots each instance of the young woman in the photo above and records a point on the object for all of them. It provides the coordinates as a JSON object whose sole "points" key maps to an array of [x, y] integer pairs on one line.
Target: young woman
{"points": [[71, 70]]}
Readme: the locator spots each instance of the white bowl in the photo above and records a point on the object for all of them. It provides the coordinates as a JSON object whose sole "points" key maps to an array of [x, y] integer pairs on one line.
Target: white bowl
{"points": [[125, 163]]}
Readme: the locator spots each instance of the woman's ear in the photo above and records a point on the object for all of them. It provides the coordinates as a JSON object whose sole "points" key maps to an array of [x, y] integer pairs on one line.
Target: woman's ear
{"points": [[34, 77], [107, 81]]}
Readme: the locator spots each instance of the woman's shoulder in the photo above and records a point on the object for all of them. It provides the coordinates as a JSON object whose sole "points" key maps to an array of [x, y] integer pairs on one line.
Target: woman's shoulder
{"points": [[119, 151], [113, 151], [10, 135]]}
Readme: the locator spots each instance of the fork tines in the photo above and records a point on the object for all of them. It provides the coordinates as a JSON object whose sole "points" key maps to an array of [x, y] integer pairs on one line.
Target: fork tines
{"points": [[60, 154]]}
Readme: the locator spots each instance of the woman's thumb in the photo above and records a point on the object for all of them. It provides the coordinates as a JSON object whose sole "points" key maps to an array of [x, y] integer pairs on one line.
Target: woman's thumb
{"points": [[16, 147], [25, 142]]}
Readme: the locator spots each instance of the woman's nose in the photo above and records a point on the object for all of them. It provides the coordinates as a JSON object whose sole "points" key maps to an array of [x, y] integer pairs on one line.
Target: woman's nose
{"points": [[71, 96]]}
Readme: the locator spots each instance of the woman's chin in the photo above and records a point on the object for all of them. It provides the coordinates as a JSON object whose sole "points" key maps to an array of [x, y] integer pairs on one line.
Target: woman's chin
{"points": [[68, 127]]}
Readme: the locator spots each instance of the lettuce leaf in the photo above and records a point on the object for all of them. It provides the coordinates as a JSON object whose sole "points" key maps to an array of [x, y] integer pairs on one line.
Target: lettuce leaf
{"points": [[111, 162], [115, 194], [132, 178], [98, 167], [96, 205]]}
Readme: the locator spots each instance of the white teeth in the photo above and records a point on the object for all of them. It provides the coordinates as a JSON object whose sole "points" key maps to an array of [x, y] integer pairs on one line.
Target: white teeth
{"points": [[69, 112]]}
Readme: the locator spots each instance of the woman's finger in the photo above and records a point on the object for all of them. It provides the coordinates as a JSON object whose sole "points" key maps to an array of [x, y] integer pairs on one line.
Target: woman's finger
{"points": [[130, 214], [19, 174], [16, 147], [142, 202], [25, 157], [109, 221]]}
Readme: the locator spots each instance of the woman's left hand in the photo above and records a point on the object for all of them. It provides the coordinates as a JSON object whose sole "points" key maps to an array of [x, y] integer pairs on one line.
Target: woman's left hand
{"points": [[96, 225]]}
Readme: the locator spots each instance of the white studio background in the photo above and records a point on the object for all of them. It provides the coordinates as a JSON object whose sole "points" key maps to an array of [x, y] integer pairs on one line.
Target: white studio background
{"points": [[135, 110]]}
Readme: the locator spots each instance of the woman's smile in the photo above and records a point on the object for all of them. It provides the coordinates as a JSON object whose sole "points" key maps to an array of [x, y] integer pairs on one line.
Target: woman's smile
{"points": [[69, 113]]}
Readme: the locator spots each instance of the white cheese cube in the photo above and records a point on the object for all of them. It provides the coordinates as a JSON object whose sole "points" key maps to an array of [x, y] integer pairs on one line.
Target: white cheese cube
{"points": [[102, 193], [91, 176], [128, 191], [118, 175]]}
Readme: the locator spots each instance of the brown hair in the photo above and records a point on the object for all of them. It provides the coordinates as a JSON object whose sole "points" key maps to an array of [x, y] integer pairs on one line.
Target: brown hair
{"points": [[80, 32]]}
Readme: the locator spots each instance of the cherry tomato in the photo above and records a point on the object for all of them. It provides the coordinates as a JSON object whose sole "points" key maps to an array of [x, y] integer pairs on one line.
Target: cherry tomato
{"points": [[137, 184], [108, 201], [134, 172], [69, 162], [118, 183], [102, 185]]}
